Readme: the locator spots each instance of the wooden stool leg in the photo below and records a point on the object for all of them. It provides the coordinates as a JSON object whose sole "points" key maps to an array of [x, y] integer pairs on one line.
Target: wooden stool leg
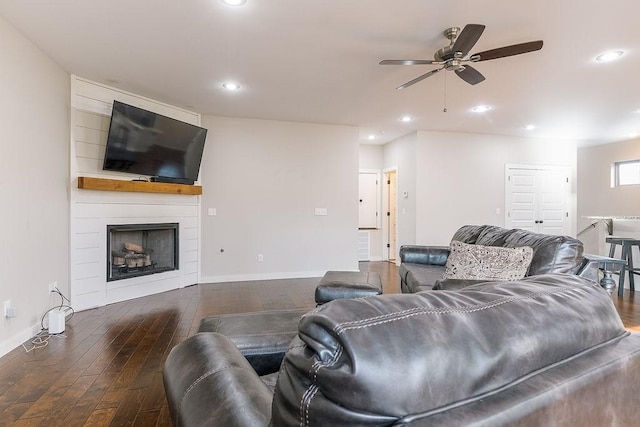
{"points": [[612, 250], [623, 270], [630, 269]]}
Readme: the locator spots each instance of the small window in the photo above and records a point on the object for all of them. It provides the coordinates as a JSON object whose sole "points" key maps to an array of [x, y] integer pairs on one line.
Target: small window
{"points": [[627, 173]]}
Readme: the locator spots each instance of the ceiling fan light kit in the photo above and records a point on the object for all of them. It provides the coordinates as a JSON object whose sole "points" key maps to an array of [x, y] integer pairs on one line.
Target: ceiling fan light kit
{"points": [[455, 57]]}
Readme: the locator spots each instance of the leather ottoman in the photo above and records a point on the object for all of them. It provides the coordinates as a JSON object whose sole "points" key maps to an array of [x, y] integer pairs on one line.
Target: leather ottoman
{"points": [[262, 337], [347, 284]]}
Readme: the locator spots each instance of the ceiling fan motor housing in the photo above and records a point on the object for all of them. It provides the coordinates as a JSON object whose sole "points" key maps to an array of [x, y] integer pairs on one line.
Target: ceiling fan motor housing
{"points": [[446, 53]]}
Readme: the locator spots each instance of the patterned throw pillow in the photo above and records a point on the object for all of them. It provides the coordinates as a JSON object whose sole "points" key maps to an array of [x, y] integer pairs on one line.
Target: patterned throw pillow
{"points": [[480, 262]]}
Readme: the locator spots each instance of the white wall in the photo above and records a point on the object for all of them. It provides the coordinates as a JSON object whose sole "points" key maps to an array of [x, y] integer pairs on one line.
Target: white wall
{"points": [[596, 197], [461, 178], [455, 179], [400, 154], [34, 123], [265, 179]]}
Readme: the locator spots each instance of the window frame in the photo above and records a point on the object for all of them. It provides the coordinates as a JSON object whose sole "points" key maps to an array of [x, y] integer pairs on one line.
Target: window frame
{"points": [[615, 173]]}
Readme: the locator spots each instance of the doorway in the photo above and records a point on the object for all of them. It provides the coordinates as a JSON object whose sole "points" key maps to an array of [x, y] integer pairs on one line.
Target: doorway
{"points": [[390, 226]]}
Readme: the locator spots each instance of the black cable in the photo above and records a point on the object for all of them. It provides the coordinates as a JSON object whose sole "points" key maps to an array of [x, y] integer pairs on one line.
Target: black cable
{"points": [[62, 306]]}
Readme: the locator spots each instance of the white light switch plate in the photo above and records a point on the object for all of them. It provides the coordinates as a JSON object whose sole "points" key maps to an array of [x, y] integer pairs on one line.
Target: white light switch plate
{"points": [[321, 211]]}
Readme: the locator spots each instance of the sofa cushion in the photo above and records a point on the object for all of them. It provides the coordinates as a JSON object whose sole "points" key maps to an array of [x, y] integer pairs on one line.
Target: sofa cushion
{"points": [[551, 254], [479, 262], [454, 284], [420, 277], [390, 358]]}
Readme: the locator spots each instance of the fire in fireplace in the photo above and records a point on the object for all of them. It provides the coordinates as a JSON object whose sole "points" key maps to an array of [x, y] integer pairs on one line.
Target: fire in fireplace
{"points": [[141, 249]]}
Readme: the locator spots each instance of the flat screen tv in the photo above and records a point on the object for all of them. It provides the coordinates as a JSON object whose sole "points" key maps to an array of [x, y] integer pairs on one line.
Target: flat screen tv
{"points": [[145, 143]]}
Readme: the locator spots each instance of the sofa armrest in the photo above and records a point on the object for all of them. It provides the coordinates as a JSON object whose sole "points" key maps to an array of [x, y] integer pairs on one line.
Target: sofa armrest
{"points": [[209, 382], [428, 255], [589, 268]]}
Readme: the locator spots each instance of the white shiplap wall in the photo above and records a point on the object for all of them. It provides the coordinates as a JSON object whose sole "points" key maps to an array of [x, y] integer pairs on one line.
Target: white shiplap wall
{"points": [[91, 211]]}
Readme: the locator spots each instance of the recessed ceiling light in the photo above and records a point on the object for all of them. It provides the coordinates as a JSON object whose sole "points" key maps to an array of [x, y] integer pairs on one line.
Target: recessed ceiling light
{"points": [[372, 137], [481, 108], [529, 127], [609, 56], [234, 2], [406, 118], [231, 86]]}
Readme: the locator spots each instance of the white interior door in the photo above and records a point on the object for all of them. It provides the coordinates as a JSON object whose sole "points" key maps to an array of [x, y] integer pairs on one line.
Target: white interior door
{"points": [[521, 204], [369, 195], [553, 201], [537, 199]]}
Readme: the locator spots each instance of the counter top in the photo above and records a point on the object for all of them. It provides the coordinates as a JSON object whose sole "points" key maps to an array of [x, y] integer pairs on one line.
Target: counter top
{"points": [[618, 217]]}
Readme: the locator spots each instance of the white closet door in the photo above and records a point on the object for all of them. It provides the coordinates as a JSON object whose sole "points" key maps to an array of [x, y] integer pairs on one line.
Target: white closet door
{"points": [[537, 199]]}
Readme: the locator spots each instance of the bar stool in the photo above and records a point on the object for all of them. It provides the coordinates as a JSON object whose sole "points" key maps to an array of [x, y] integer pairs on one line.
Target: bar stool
{"points": [[627, 244], [608, 266]]}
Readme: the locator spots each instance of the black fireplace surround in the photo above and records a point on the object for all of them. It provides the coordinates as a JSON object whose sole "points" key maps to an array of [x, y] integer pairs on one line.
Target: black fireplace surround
{"points": [[141, 249]]}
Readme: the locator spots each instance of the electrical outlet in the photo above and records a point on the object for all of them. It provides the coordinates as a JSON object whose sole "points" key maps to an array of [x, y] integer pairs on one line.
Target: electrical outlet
{"points": [[260, 258], [52, 286]]}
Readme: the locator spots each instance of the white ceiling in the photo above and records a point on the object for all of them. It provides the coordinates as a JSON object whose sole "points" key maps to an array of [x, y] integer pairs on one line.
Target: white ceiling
{"points": [[317, 61]]}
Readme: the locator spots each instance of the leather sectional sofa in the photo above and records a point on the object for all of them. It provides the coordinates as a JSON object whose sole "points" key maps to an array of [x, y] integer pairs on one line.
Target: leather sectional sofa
{"points": [[422, 267], [545, 350]]}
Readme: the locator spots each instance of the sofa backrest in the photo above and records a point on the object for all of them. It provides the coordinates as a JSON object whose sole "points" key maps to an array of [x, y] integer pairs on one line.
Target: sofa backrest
{"points": [[469, 233], [396, 358], [551, 253]]}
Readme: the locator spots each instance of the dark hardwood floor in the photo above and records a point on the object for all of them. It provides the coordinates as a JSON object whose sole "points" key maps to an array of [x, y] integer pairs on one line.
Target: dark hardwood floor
{"points": [[108, 369]]}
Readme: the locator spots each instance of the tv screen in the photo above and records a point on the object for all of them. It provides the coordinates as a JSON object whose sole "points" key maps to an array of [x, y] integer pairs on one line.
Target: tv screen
{"points": [[146, 143]]}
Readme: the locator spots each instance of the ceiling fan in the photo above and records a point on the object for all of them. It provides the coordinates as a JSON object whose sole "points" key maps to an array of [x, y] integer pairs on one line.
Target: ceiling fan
{"points": [[454, 57]]}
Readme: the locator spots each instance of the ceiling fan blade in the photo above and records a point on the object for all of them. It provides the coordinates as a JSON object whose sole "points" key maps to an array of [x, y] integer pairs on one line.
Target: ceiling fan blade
{"points": [[406, 62], [502, 52], [418, 79], [467, 38], [470, 75]]}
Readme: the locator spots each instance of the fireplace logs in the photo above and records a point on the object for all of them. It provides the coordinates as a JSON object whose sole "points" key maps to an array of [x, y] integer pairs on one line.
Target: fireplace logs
{"points": [[132, 256]]}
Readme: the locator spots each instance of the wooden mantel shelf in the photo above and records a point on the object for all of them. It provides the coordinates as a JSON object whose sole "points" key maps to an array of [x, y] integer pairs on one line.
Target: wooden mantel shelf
{"points": [[103, 184]]}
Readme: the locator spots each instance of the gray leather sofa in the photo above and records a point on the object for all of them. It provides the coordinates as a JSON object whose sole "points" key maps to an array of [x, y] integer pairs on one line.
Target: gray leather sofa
{"points": [[422, 267], [544, 350]]}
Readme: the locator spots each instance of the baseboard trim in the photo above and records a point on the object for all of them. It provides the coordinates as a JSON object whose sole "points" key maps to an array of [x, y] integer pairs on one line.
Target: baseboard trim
{"points": [[261, 276], [15, 341]]}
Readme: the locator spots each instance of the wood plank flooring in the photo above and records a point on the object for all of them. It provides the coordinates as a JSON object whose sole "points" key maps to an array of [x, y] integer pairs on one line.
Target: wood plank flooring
{"points": [[108, 369]]}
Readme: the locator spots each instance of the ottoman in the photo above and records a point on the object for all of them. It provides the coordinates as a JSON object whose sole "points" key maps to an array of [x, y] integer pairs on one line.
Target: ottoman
{"points": [[347, 284], [262, 337]]}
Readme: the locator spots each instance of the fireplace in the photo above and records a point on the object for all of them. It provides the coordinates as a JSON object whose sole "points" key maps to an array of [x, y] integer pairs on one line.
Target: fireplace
{"points": [[141, 249]]}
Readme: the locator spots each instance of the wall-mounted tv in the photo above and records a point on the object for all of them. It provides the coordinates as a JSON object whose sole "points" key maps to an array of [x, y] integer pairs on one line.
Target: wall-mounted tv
{"points": [[145, 143]]}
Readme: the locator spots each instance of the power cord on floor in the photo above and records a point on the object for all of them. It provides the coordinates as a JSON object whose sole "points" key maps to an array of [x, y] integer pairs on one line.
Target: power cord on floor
{"points": [[67, 308], [41, 339]]}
